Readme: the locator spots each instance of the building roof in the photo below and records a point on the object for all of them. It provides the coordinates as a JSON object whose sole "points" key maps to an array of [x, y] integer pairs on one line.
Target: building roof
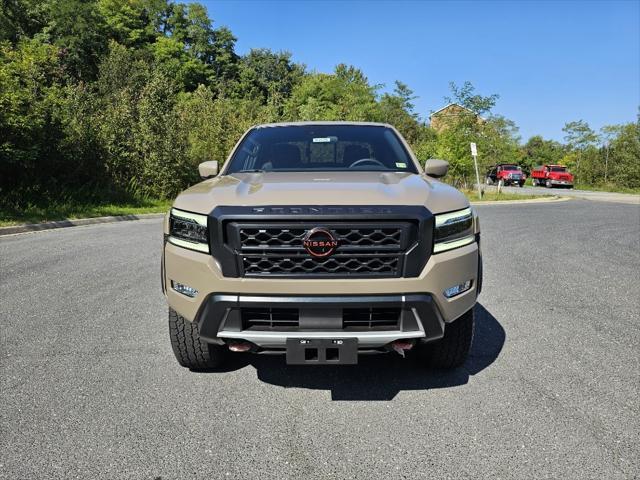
{"points": [[451, 105]]}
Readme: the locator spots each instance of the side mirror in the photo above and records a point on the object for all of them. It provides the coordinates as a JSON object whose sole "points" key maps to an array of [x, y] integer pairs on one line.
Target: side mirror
{"points": [[208, 169], [436, 168]]}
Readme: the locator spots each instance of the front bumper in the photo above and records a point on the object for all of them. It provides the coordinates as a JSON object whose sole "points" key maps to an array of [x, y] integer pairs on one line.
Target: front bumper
{"points": [[202, 272], [220, 319], [563, 183]]}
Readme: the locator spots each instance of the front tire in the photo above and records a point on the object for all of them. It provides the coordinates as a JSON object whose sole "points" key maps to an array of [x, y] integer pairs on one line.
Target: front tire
{"points": [[190, 351], [452, 350], [549, 184]]}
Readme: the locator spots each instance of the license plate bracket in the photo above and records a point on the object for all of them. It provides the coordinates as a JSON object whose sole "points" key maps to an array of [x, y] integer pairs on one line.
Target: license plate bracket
{"points": [[322, 351]]}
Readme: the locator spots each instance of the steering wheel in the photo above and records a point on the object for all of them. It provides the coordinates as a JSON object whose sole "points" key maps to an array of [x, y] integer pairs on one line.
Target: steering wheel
{"points": [[367, 160]]}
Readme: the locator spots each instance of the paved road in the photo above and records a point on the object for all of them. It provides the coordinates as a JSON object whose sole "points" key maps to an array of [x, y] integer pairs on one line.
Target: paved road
{"points": [[89, 387], [633, 199]]}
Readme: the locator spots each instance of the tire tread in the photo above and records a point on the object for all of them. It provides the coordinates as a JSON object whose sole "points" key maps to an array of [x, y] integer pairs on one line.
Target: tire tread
{"points": [[189, 349], [453, 349]]}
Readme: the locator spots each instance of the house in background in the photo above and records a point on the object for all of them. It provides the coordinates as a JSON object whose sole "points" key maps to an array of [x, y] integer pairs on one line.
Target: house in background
{"points": [[446, 116]]}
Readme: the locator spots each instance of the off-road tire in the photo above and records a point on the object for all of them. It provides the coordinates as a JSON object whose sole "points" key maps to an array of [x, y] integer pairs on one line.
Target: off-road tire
{"points": [[453, 349], [189, 349]]}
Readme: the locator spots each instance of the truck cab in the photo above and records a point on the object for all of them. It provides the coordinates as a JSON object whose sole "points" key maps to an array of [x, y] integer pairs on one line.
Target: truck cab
{"points": [[508, 173]]}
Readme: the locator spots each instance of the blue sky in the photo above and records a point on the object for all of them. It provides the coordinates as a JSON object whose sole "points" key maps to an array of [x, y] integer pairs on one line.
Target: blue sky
{"points": [[550, 62]]}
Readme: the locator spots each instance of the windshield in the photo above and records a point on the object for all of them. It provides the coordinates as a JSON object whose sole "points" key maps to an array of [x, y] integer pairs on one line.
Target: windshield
{"points": [[558, 169], [510, 167], [321, 148]]}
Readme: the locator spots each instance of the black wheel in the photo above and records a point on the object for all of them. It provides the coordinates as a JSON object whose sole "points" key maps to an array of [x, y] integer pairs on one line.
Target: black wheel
{"points": [[189, 349], [548, 184], [452, 350], [521, 184]]}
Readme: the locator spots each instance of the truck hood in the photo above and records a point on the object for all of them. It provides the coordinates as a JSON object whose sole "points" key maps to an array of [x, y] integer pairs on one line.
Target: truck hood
{"points": [[321, 188]]}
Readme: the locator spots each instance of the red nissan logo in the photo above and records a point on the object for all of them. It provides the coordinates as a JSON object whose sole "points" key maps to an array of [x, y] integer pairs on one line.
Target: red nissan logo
{"points": [[320, 242]]}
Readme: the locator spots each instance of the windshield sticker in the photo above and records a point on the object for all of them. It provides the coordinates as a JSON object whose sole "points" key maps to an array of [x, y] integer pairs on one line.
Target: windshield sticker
{"points": [[401, 165], [324, 139]]}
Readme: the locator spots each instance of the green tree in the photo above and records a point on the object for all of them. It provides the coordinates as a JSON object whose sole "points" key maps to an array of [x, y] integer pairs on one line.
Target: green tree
{"points": [[178, 64], [31, 95], [264, 74], [22, 19], [624, 157], [538, 151], [466, 97], [225, 60], [343, 95], [133, 23], [496, 138], [607, 134], [78, 29], [163, 150], [122, 78], [582, 139], [213, 125], [398, 110]]}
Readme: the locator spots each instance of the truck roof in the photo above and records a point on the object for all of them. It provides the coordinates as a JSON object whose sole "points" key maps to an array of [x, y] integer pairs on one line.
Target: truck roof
{"points": [[335, 122]]}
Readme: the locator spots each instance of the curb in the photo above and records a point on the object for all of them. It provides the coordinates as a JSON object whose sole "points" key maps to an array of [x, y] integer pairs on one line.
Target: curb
{"points": [[36, 227], [526, 201]]}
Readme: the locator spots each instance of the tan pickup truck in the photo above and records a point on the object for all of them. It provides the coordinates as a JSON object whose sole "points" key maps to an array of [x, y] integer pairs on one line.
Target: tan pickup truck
{"points": [[321, 241]]}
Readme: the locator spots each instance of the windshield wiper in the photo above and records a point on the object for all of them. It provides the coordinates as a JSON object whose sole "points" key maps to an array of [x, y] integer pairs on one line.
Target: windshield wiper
{"points": [[254, 170]]}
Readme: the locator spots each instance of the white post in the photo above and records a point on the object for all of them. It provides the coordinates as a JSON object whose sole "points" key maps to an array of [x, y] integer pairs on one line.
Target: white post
{"points": [[474, 154]]}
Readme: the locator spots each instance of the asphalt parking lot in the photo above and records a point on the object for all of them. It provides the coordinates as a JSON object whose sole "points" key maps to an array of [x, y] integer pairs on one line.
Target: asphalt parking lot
{"points": [[89, 387]]}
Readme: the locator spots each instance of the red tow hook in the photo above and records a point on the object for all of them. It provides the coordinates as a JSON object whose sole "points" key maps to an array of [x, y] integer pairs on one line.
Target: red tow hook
{"points": [[400, 346], [240, 347]]}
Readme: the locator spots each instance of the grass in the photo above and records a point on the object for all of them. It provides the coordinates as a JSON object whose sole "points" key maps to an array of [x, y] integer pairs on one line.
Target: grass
{"points": [[609, 187], [77, 209], [492, 196]]}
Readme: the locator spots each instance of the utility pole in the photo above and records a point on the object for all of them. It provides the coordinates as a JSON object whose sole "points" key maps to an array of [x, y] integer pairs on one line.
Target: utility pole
{"points": [[474, 154], [606, 164]]}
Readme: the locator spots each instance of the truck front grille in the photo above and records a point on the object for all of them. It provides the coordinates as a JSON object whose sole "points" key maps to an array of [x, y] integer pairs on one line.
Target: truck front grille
{"points": [[364, 241], [364, 250]]}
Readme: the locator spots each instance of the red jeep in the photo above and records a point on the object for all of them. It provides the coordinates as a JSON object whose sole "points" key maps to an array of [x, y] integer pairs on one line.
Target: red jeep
{"points": [[551, 176], [509, 173]]}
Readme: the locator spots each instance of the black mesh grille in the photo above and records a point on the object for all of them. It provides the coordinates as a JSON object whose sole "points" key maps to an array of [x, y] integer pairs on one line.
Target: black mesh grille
{"points": [[283, 237], [364, 249], [288, 319], [370, 318], [268, 318], [375, 264]]}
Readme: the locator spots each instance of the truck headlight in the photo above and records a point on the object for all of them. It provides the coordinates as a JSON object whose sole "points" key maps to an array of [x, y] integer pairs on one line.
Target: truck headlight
{"points": [[453, 230], [189, 230]]}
